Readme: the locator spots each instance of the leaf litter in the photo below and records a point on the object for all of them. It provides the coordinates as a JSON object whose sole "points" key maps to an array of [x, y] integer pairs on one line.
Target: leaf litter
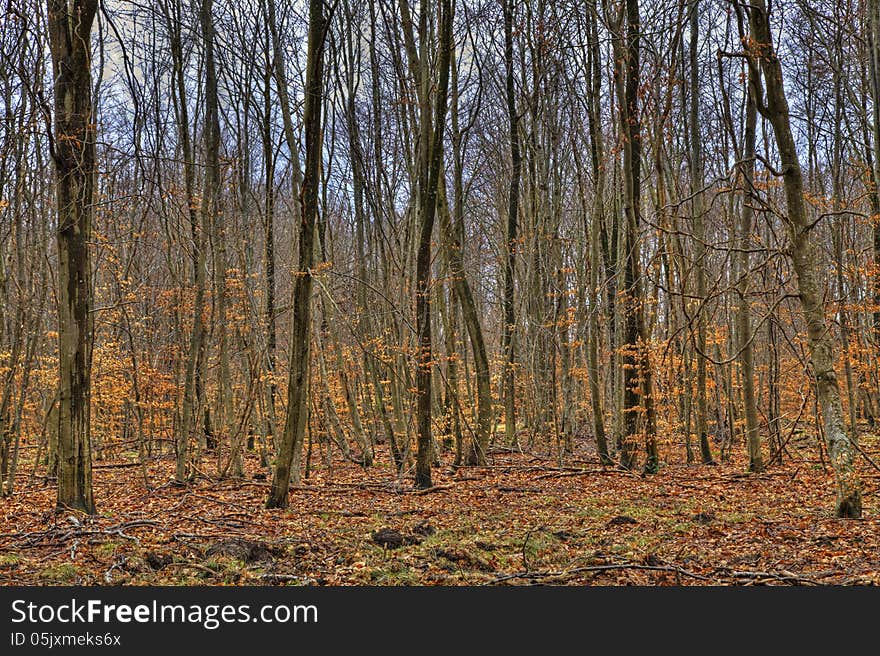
{"points": [[522, 520]]}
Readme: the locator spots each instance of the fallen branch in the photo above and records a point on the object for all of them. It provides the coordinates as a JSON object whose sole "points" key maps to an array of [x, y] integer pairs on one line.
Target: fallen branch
{"points": [[285, 577], [600, 568], [434, 488], [583, 472], [785, 577]]}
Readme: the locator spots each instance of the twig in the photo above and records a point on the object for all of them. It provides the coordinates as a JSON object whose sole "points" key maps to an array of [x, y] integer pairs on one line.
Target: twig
{"points": [[865, 455]]}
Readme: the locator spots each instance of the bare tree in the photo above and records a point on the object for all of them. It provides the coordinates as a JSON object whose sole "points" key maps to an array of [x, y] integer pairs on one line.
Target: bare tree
{"points": [[804, 260], [290, 454]]}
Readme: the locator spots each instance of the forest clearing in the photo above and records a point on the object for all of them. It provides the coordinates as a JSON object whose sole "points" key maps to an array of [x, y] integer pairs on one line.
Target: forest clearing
{"points": [[465, 292]]}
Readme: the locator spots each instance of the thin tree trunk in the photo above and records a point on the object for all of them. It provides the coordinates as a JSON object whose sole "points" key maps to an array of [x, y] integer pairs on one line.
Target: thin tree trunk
{"points": [[287, 467], [269, 259], [508, 335], [696, 163], [192, 392], [743, 311], [837, 237], [873, 32], [479, 445], [597, 157], [213, 217]]}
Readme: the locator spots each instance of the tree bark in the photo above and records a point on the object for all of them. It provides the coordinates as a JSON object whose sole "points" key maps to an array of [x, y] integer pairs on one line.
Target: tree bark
{"points": [[637, 380], [597, 157], [696, 164], [508, 336], [479, 444], [430, 164], [806, 264], [212, 216], [873, 32], [287, 466], [73, 149], [743, 311]]}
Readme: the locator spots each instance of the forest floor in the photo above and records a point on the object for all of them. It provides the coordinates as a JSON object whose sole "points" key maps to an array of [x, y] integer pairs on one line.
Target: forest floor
{"points": [[521, 521]]}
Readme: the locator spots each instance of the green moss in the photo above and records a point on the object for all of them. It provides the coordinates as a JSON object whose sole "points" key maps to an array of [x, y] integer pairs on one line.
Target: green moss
{"points": [[9, 560], [637, 512], [737, 517], [107, 549], [394, 573], [60, 573]]}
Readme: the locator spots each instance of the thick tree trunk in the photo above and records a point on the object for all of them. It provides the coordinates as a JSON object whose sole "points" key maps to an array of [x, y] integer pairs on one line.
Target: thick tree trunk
{"points": [[430, 161], [637, 380], [806, 263], [70, 25]]}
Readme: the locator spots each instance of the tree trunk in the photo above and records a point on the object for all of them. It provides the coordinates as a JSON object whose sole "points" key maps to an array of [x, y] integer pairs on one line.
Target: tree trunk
{"points": [[479, 445], [430, 161], [192, 391], [873, 8], [637, 381], [806, 263], [597, 156], [696, 163], [743, 311], [269, 258], [213, 216], [73, 149], [508, 335], [287, 465]]}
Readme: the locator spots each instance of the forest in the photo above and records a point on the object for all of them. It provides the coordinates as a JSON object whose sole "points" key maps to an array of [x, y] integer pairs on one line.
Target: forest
{"points": [[465, 292]]}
